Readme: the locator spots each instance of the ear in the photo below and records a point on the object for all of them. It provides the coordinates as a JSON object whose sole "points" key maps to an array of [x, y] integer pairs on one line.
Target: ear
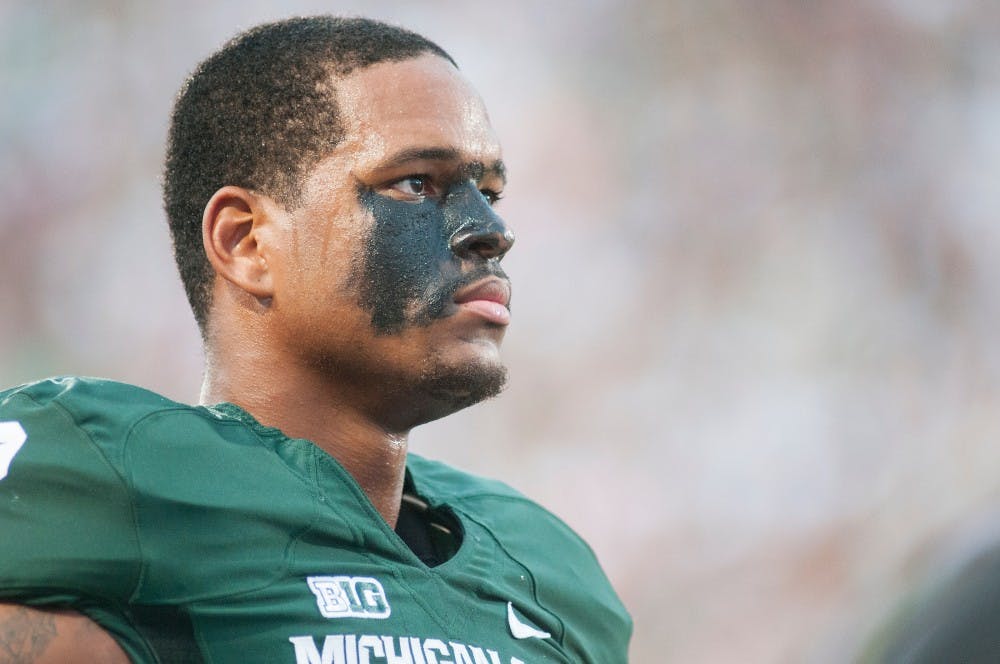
{"points": [[230, 230]]}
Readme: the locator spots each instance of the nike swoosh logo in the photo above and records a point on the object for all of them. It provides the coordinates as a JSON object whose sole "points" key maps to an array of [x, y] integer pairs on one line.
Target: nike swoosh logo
{"points": [[522, 630]]}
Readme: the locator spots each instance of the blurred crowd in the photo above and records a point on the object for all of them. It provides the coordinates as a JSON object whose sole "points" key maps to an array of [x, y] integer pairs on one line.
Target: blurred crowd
{"points": [[752, 353]]}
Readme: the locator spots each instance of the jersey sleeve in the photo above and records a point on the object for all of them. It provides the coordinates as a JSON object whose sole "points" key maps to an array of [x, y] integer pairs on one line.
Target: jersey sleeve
{"points": [[67, 534]]}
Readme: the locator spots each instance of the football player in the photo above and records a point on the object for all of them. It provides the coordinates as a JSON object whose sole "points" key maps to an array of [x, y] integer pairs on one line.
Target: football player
{"points": [[330, 187]]}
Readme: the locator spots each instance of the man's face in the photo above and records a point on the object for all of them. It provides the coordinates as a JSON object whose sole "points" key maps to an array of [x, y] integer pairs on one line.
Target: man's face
{"points": [[387, 274]]}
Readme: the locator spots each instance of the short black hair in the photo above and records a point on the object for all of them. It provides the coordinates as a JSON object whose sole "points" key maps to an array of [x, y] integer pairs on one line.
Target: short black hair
{"points": [[260, 112]]}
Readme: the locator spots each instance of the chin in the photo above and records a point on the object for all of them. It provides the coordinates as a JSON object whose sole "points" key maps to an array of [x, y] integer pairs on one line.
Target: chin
{"points": [[454, 387]]}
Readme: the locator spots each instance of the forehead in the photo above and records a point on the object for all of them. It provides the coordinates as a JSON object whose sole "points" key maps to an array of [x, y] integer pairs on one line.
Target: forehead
{"points": [[421, 102]]}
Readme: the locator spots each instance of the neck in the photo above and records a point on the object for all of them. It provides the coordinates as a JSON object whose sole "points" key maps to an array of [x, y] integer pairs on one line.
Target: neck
{"points": [[304, 404]]}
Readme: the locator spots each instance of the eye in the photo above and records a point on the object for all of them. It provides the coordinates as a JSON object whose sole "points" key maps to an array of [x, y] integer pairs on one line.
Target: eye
{"points": [[491, 196], [417, 186]]}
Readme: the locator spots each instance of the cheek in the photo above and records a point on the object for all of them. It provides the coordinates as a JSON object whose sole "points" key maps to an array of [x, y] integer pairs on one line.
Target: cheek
{"points": [[328, 243], [313, 267], [405, 257], [406, 241]]}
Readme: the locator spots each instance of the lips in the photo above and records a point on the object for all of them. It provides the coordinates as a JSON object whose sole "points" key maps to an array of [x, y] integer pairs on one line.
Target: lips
{"points": [[488, 299], [492, 289]]}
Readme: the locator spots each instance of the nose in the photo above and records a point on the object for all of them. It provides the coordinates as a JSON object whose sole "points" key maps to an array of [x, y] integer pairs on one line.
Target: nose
{"points": [[483, 234], [492, 240]]}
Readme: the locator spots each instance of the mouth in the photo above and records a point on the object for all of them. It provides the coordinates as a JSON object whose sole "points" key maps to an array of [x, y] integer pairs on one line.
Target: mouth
{"points": [[488, 299]]}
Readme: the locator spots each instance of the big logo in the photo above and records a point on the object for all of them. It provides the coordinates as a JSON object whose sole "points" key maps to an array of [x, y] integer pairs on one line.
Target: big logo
{"points": [[349, 596]]}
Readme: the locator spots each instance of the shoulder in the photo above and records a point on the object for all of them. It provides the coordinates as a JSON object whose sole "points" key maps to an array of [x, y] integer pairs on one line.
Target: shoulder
{"points": [[439, 479], [492, 503], [112, 432], [62, 493], [59, 418], [89, 403], [508, 514], [82, 390], [158, 447], [566, 574], [139, 469], [103, 412]]}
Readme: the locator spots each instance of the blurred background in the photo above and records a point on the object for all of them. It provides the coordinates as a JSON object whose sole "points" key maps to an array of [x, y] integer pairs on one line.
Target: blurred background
{"points": [[753, 358]]}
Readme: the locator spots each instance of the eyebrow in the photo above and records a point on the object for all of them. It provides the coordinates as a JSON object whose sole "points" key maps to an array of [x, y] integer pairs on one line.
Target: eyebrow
{"points": [[475, 170]]}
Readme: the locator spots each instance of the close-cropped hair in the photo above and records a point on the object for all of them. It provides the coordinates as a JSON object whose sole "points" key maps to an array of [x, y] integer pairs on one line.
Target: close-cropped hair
{"points": [[258, 114]]}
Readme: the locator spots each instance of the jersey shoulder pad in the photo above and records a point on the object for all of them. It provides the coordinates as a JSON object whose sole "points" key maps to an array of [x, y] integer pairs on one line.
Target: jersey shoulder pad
{"points": [[104, 410], [60, 494]]}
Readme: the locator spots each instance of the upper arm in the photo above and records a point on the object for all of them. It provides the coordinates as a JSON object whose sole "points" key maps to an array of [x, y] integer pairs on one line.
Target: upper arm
{"points": [[69, 540], [44, 636], [65, 511]]}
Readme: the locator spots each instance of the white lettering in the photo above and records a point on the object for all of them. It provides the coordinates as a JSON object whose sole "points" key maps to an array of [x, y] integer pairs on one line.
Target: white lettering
{"points": [[435, 644], [460, 653], [12, 437], [404, 656], [306, 653], [349, 597], [351, 648], [369, 645], [480, 656], [331, 598], [371, 649], [418, 652]]}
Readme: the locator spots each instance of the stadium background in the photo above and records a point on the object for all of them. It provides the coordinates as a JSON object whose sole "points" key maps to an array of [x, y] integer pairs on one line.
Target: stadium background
{"points": [[754, 353]]}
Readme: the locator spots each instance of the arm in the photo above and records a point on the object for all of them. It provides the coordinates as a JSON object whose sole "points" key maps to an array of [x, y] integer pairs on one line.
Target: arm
{"points": [[67, 539], [46, 636]]}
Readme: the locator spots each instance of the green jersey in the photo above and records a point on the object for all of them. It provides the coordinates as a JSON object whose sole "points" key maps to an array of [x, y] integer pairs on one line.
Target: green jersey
{"points": [[195, 534]]}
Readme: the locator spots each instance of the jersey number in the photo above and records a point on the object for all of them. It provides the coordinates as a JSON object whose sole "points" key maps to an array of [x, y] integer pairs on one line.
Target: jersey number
{"points": [[12, 437]]}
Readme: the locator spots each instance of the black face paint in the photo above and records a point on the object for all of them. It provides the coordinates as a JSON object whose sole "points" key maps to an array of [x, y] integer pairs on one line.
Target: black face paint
{"points": [[417, 255]]}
